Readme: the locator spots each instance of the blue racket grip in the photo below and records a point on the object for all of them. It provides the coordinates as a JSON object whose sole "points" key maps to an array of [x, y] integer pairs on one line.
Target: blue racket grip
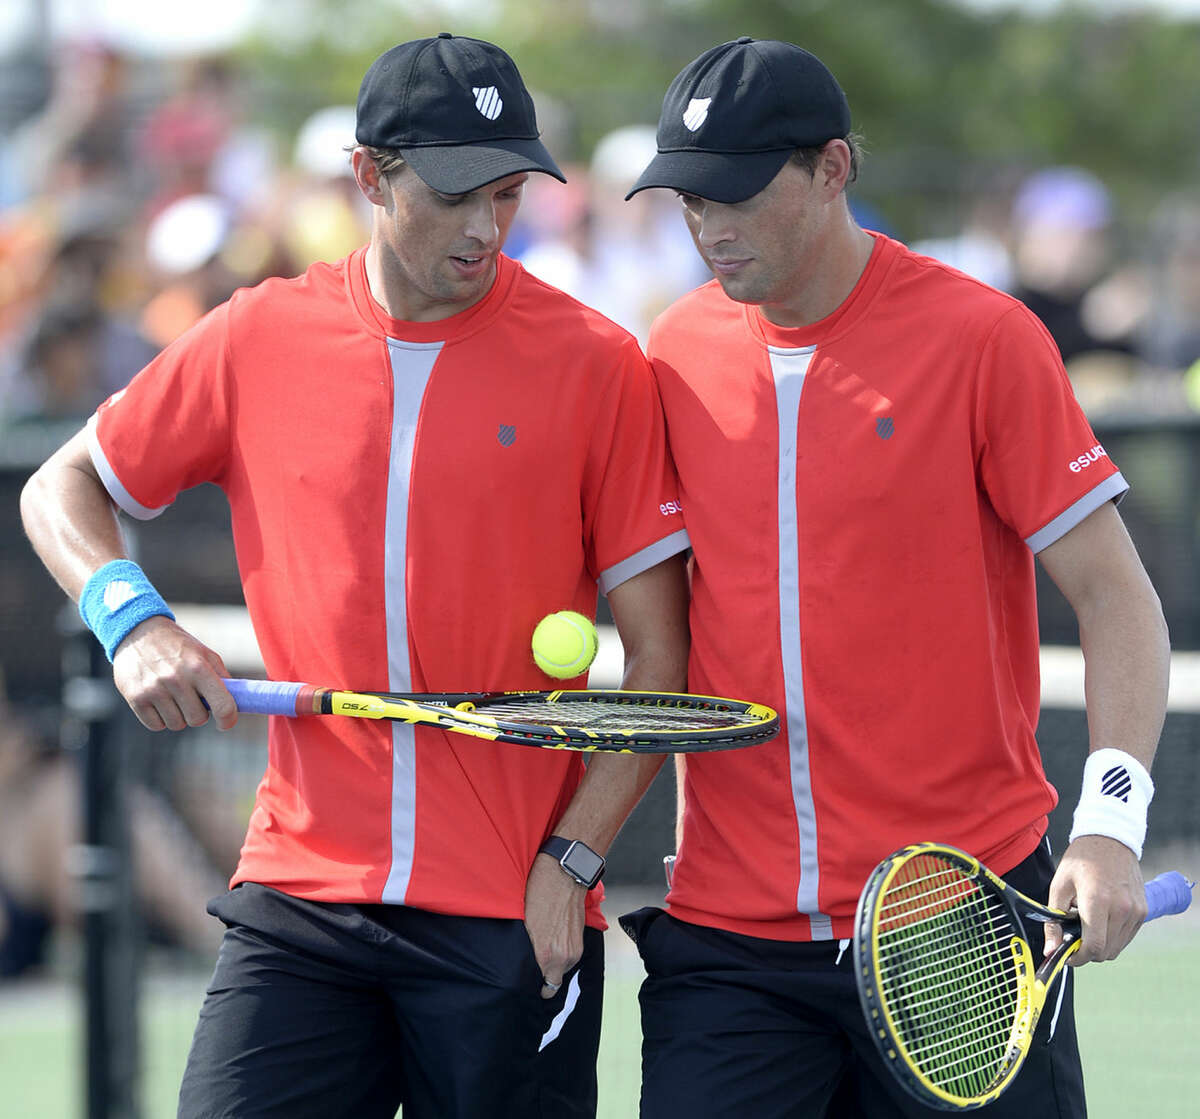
{"points": [[264, 697], [1168, 893]]}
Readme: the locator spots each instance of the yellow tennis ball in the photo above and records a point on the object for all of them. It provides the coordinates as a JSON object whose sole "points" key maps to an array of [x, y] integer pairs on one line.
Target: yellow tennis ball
{"points": [[1191, 385], [564, 644]]}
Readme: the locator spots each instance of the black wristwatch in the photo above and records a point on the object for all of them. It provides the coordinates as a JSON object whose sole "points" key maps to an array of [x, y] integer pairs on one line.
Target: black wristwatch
{"points": [[576, 858]]}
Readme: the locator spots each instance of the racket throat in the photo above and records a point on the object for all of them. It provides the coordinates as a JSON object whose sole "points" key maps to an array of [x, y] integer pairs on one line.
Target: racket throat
{"points": [[1033, 989], [1025, 1014]]}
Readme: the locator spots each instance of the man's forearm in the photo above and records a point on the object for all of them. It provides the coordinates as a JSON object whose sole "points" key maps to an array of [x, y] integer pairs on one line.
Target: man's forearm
{"points": [[609, 791], [1127, 660]]}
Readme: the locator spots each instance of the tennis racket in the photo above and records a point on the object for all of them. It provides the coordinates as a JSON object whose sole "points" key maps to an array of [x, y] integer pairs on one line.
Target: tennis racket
{"points": [[616, 721], [946, 974]]}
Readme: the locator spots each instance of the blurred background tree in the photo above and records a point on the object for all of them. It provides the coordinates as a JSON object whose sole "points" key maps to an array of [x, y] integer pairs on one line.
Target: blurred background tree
{"points": [[951, 100]]}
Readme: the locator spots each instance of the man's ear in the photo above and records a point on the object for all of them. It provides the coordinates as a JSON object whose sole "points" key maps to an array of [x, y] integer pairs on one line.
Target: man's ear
{"points": [[834, 169], [368, 176]]}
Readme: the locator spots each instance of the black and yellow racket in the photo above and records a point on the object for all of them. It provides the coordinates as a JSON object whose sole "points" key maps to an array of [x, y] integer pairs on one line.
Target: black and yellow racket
{"points": [[946, 975], [617, 721]]}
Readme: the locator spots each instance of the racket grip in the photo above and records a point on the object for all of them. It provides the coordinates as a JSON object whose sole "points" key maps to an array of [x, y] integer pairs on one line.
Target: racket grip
{"points": [[264, 697], [1168, 893]]}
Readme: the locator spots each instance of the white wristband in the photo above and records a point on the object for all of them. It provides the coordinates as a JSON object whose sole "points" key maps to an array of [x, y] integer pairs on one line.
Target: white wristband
{"points": [[1115, 799]]}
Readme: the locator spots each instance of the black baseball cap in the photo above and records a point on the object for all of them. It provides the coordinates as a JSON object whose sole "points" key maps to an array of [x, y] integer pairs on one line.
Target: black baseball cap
{"points": [[732, 117], [457, 111]]}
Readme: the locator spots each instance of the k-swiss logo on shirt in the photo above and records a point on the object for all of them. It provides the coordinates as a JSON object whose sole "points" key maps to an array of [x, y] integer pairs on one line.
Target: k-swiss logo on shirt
{"points": [[488, 101], [507, 435], [885, 427], [696, 113]]}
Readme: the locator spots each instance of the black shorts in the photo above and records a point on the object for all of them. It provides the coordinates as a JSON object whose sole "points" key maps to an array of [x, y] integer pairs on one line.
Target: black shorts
{"points": [[320, 1010], [739, 1026]]}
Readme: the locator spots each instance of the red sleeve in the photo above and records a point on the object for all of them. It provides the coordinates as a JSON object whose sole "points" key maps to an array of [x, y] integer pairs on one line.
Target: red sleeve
{"points": [[168, 429], [1040, 463], [632, 512]]}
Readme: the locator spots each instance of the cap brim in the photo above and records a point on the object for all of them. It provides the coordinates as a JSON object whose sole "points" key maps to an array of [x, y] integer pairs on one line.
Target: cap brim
{"points": [[460, 168], [717, 176]]}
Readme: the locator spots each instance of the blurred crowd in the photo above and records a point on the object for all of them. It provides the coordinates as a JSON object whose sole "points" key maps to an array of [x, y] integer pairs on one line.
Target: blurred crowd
{"points": [[41, 860], [123, 220], [130, 208], [1121, 299], [124, 216]]}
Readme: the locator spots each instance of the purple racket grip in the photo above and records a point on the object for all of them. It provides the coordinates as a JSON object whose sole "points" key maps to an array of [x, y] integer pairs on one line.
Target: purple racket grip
{"points": [[264, 697], [1168, 893]]}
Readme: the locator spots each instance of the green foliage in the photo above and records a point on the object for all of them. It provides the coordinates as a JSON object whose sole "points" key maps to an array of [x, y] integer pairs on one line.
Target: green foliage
{"points": [[949, 99]]}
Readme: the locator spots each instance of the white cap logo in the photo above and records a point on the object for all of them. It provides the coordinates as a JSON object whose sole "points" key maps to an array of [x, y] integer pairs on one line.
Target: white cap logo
{"points": [[488, 101], [696, 113]]}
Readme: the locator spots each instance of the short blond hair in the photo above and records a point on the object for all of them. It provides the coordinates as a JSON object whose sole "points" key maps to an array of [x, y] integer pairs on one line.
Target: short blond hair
{"points": [[386, 160]]}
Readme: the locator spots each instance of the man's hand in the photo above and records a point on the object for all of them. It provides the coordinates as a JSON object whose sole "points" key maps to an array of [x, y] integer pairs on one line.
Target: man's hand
{"points": [[171, 680], [554, 912], [1102, 880]]}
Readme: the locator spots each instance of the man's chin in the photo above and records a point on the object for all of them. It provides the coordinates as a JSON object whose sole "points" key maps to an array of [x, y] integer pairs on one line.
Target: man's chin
{"points": [[739, 289]]}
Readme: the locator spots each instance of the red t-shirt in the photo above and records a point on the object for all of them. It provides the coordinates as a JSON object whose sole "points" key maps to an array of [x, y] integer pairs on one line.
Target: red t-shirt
{"points": [[865, 497], [408, 499]]}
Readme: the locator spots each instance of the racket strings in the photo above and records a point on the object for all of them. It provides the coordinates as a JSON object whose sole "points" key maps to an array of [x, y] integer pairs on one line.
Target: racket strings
{"points": [[617, 715], [948, 974]]}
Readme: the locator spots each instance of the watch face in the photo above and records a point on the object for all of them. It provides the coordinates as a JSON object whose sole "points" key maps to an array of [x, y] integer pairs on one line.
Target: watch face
{"points": [[583, 863]]}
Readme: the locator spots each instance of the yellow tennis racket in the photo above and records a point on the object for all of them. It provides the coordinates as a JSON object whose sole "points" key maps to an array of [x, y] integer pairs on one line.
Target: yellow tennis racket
{"points": [[946, 974], [618, 721]]}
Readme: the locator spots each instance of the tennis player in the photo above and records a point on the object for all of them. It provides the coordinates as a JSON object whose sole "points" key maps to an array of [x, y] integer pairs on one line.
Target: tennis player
{"points": [[872, 449], [425, 450]]}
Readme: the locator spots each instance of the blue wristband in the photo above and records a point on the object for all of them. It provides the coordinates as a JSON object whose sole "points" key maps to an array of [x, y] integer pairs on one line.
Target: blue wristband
{"points": [[117, 598]]}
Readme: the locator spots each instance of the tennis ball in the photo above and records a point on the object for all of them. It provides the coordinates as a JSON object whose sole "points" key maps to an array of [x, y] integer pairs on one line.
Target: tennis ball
{"points": [[564, 644], [1191, 385]]}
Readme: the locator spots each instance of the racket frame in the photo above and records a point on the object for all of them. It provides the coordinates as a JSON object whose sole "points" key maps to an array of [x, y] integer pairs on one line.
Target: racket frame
{"points": [[1032, 982], [467, 713]]}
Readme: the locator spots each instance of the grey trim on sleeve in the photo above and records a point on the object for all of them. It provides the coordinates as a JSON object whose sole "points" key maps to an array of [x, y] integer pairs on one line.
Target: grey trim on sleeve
{"points": [[112, 483], [1112, 488], [641, 561]]}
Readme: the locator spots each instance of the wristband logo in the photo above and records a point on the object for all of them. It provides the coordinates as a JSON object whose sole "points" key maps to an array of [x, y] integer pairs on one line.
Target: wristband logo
{"points": [[1116, 782], [116, 594]]}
